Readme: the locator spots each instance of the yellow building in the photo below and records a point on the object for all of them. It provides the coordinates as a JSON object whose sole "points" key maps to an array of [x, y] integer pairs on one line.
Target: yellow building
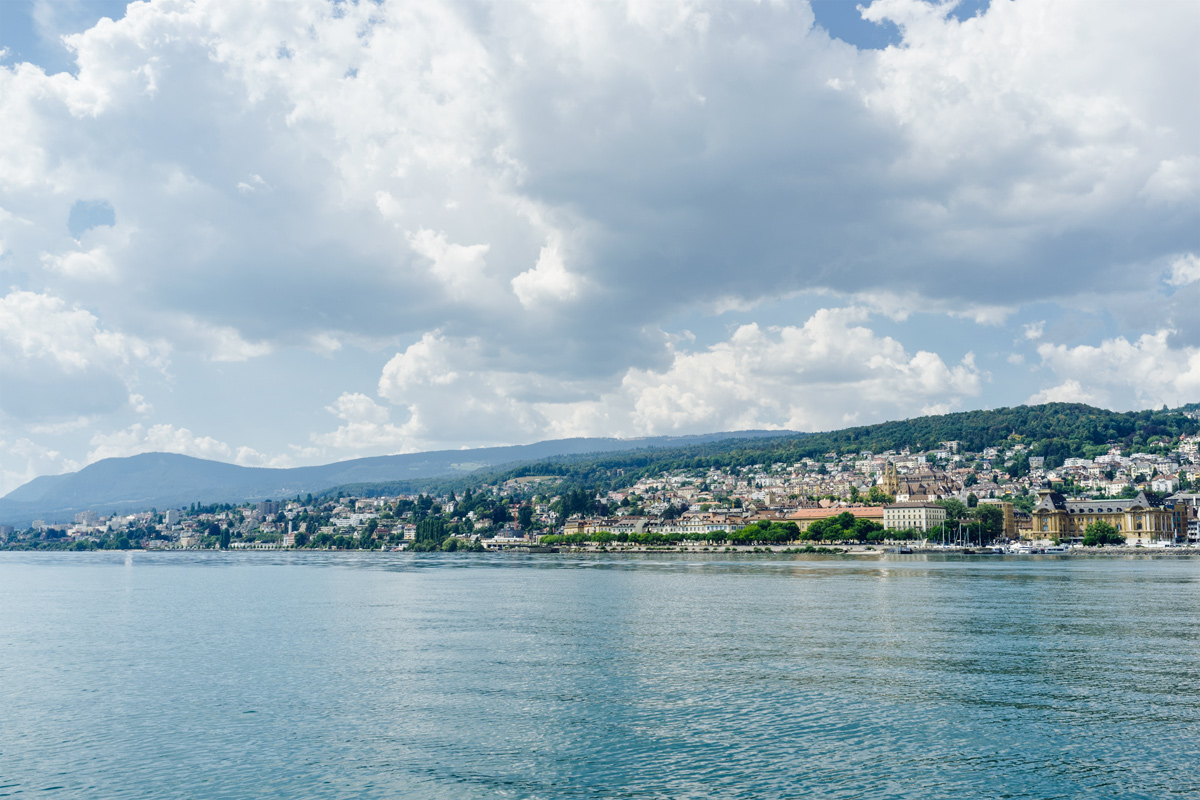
{"points": [[1142, 519], [1010, 517]]}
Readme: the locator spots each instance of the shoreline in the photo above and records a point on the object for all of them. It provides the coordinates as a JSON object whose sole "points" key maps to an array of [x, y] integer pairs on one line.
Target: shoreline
{"points": [[1178, 551]]}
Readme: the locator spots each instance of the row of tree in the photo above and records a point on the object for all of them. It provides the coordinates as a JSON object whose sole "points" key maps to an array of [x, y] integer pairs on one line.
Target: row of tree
{"points": [[844, 528]]}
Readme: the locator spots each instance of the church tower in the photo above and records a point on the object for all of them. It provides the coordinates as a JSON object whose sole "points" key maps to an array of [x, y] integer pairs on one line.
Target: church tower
{"points": [[891, 480]]}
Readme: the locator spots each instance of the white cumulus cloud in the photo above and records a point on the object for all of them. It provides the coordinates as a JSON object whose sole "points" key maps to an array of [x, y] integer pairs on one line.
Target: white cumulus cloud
{"points": [[1119, 373], [795, 377], [1185, 271], [365, 427], [160, 438], [548, 281], [59, 360]]}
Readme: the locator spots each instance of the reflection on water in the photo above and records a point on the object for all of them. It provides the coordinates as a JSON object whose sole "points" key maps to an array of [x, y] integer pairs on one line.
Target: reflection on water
{"points": [[448, 676]]}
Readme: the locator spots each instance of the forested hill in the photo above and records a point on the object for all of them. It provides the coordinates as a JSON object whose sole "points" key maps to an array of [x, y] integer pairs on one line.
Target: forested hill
{"points": [[1056, 431], [1053, 430]]}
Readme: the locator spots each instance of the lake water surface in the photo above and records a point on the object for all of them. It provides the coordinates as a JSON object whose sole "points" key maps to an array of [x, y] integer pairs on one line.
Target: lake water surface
{"points": [[319, 675]]}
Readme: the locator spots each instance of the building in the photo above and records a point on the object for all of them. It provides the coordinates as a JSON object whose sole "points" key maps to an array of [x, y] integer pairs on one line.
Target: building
{"points": [[920, 486], [268, 508], [1187, 514], [171, 517], [1010, 517], [1165, 484], [1145, 518], [913, 516]]}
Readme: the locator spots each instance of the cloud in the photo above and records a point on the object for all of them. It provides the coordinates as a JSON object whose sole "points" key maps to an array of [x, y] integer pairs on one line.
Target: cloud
{"points": [[1175, 182], [795, 377], [222, 343], [366, 426], [900, 305], [1185, 270], [58, 360], [1117, 373], [40, 326], [426, 362], [1069, 391], [167, 438], [548, 282], [160, 438], [801, 378], [673, 150], [38, 460], [460, 268]]}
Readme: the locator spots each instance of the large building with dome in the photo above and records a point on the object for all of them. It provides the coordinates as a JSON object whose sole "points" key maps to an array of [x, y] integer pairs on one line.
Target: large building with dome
{"points": [[1142, 519]]}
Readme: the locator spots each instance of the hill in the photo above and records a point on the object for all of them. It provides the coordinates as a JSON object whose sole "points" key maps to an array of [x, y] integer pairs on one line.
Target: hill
{"points": [[1055, 431], [158, 480], [167, 480]]}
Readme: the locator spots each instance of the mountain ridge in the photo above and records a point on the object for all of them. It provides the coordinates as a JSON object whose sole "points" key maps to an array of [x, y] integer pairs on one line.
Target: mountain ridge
{"points": [[1054, 431], [172, 480]]}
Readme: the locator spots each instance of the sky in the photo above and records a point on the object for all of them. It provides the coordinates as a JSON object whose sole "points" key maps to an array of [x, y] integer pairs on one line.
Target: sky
{"points": [[280, 234]]}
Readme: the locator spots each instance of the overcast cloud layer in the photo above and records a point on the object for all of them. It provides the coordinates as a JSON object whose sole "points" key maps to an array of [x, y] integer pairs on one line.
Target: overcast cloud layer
{"points": [[288, 233]]}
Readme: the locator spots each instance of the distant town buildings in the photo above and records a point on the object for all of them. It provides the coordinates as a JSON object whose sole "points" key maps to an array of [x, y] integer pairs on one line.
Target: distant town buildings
{"points": [[1146, 496]]}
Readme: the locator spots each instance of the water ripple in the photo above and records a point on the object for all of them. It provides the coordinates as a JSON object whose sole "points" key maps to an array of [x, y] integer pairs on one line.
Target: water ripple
{"points": [[326, 675]]}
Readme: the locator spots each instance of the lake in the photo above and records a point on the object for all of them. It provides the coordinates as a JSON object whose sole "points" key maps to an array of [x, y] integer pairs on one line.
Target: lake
{"points": [[380, 675]]}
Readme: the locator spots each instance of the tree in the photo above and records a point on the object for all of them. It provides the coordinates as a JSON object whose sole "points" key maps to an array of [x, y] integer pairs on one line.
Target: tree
{"points": [[431, 530], [972, 500], [971, 480], [991, 521], [525, 516], [955, 509], [222, 536], [1019, 466], [500, 514], [878, 497], [1101, 533]]}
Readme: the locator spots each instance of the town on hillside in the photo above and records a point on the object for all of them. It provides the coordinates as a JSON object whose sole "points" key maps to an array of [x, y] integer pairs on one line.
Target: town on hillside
{"points": [[945, 497]]}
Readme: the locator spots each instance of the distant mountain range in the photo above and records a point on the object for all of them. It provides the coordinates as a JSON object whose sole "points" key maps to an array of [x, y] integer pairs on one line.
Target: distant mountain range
{"points": [[1055, 431], [168, 480]]}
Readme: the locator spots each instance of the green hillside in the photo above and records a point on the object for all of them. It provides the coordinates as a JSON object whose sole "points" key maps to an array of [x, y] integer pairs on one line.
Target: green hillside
{"points": [[1056, 431]]}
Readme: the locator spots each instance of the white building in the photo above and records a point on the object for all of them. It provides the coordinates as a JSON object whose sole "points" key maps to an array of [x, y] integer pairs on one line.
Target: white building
{"points": [[1165, 484], [918, 516]]}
